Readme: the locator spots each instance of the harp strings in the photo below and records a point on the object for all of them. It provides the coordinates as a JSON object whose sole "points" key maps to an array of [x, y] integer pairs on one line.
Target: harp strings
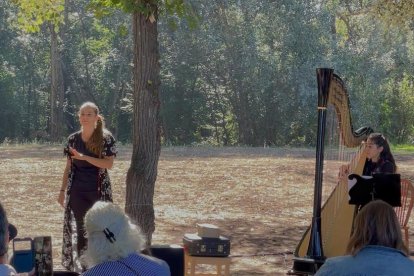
{"points": [[341, 149]]}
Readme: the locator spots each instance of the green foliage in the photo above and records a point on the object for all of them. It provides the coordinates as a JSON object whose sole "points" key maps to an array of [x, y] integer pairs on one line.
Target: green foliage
{"points": [[341, 31], [33, 13], [394, 12], [403, 148], [173, 9], [106, 7], [8, 112], [100, 44], [400, 109], [245, 75]]}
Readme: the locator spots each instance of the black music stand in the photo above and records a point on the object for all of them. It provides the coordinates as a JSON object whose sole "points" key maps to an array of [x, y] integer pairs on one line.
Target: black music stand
{"points": [[386, 187]]}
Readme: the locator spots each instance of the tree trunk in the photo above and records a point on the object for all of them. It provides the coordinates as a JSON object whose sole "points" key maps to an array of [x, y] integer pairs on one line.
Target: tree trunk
{"points": [[57, 89], [142, 174]]}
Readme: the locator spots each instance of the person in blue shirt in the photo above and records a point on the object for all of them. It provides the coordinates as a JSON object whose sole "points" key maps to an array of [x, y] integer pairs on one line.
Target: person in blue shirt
{"points": [[375, 247], [115, 245]]}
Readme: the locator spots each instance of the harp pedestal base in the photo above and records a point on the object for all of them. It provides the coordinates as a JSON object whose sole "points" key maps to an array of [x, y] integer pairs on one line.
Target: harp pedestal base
{"points": [[305, 266]]}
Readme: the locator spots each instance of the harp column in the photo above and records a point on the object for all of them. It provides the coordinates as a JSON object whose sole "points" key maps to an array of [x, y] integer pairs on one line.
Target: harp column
{"points": [[315, 249], [314, 258]]}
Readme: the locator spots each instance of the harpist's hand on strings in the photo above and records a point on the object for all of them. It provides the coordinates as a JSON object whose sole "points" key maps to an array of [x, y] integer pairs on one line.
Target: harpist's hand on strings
{"points": [[343, 171]]}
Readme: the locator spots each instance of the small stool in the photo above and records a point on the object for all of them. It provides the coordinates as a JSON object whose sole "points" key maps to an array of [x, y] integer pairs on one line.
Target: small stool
{"points": [[222, 265]]}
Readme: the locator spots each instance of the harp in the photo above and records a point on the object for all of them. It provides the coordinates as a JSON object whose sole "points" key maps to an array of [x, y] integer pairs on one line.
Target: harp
{"points": [[331, 224]]}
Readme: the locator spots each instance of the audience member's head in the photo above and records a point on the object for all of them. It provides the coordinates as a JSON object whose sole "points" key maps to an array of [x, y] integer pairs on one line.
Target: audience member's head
{"points": [[4, 231], [7, 231], [110, 233], [376, 224]]}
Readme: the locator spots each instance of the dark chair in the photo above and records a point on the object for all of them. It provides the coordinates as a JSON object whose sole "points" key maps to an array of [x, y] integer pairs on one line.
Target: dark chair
{"points": [[173, 255]]}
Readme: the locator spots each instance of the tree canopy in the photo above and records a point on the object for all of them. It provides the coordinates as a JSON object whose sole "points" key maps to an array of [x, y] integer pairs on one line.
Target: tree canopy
{"points": [[245, 75]]}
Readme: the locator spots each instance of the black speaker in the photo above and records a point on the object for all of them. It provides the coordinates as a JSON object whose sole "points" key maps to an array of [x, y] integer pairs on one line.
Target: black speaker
{"points": [[173, 255]]}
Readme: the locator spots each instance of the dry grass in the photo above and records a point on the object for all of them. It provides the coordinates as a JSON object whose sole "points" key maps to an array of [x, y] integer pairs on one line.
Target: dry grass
{"points": [[260, 198]]}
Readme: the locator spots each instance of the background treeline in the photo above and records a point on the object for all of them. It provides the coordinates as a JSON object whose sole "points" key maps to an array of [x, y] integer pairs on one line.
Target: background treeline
{"points": [[244, 76]]}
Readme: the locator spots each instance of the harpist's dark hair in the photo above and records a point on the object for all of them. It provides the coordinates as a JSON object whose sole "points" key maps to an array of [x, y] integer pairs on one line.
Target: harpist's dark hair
{"points": [[379, 140]]}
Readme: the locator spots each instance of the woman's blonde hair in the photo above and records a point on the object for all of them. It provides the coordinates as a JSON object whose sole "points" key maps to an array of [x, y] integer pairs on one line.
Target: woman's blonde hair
{"points": [[376, 224], [111, 234], [95, 143]]}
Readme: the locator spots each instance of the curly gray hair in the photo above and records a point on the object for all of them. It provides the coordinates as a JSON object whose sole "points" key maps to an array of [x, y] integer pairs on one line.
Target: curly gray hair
{"points": [[111, 234]]}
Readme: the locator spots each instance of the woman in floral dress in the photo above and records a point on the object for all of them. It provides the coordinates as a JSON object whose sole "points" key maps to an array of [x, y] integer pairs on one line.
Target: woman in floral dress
{"points": [[90, 153]]}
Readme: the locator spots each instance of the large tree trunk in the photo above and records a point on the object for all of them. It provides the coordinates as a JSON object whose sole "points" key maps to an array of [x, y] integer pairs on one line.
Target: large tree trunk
{"points": [[57, 89], [142, 174]]}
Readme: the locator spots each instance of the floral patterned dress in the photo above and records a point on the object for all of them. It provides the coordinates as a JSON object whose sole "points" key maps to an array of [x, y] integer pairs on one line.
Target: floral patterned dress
{"points": [[104, 190]]}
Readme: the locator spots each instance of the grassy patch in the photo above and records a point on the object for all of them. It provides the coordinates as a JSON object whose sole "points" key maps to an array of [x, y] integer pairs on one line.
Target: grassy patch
{"points": [[403, 149]]}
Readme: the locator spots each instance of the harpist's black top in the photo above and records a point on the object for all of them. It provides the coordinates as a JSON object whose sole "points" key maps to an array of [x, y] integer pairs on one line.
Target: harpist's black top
{"points": [[381, 166]]}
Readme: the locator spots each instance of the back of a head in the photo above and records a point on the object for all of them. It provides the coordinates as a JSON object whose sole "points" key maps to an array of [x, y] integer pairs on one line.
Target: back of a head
{"points": [[376, 224], [111, 235], [3, 231]]}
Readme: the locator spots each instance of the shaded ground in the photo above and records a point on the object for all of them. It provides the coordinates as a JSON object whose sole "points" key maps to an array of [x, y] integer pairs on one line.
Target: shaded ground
{"points": [[260, 198]]}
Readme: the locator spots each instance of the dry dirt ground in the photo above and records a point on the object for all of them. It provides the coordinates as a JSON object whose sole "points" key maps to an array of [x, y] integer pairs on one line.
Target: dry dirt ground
{"points": [[261, 198]]}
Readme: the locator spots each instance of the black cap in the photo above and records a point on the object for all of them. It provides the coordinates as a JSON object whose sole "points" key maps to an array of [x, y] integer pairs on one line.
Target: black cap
{"points": [[12, 231]]}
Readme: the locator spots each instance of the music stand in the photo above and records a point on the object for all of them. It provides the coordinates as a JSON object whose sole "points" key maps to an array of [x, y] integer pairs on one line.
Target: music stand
{"points": [[386, 187]]}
